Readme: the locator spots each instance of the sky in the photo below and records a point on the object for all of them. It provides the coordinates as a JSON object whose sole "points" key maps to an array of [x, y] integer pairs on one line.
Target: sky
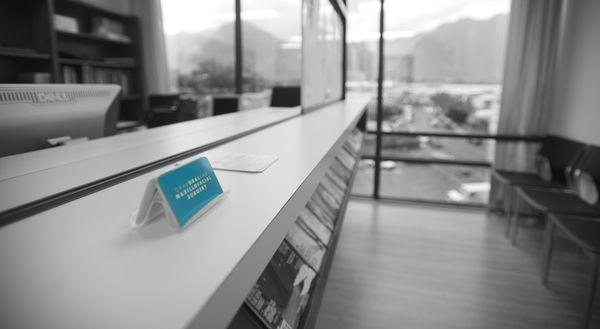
{"points": [[404, 18], [280, 17]]}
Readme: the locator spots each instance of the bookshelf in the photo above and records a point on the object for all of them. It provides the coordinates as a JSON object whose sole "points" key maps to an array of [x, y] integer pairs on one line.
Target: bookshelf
{"points": [[86, 45]]}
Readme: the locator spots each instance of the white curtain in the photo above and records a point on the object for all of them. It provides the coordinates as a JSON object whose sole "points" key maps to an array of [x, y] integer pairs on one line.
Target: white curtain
{"points": [[154, 50], [532, 47]]}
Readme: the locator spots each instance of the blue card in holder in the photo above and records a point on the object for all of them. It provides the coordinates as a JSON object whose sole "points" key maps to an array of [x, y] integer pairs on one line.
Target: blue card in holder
{"points": [[182, 194]]}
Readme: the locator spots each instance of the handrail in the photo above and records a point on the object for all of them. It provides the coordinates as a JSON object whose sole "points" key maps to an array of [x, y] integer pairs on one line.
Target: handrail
{"points": [[473, 163], [498, 137]]}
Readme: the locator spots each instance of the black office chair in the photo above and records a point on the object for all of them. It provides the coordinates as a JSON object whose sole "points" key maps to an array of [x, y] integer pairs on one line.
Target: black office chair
{"points": [[554, 161], [166, 109], [285, 96], [586, 175], [223, 104], [585, 232]]}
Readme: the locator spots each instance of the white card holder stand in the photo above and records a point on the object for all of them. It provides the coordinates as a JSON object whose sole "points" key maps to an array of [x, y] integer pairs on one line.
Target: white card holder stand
{"points": [[154, 206], [151, 208]]}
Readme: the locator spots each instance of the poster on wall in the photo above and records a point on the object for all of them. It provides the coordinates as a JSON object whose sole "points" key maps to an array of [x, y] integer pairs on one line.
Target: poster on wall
{"points": [[322, 54]]}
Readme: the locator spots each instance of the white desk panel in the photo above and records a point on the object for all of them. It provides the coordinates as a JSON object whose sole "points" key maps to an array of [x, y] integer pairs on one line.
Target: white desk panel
{"points": [[26, 163], [102, 158], [80, 265]]}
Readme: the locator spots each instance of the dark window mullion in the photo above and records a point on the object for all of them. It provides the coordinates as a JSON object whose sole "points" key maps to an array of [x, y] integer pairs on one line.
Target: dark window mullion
{"points": [[238, 48], [378, 142]]}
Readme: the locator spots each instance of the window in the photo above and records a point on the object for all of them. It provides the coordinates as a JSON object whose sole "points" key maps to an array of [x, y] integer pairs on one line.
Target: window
{"points": [[271, 43], [200, 45], [362, 49], [200, 37], [322, 48], [443, 64]]}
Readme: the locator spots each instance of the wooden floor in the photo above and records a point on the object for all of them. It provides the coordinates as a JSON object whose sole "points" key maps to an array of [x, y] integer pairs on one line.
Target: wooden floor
{"points": [[406, 266]]}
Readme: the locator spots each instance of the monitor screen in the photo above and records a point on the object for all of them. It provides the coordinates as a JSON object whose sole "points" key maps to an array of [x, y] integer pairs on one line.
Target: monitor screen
{"points": [[34, 117]]}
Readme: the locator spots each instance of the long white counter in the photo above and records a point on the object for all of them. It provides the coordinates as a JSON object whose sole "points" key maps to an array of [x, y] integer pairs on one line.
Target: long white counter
{"points": [[52, 171], [81, 265]]}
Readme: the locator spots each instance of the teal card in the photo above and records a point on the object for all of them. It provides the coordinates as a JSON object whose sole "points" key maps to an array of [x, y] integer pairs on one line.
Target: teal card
{"points": [[189, 189]]}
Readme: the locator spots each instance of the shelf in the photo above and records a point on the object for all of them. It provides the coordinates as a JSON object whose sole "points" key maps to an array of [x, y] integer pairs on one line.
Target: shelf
{"points": [[91, 37], [4, 52], [130, 98], [75, 61]]}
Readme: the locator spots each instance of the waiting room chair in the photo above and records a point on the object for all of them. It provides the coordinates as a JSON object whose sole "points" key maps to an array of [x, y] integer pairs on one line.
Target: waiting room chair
{"points": [[582, 201], [585, 232], [554, 161]]}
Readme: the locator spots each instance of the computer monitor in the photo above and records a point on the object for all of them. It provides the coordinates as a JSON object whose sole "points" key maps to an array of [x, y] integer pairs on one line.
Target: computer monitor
{"points": [[223, 104], [285, 96], [31, 116]]}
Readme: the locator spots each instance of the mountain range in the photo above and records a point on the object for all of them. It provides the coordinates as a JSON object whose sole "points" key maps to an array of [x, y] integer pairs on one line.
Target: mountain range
{"points": [[466, 50]]}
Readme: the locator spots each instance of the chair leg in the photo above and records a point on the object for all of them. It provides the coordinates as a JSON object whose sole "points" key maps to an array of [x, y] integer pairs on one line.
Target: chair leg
{"points": [[514, 221], [492, 198], [547, 251], [591, 293], [507, 207]]}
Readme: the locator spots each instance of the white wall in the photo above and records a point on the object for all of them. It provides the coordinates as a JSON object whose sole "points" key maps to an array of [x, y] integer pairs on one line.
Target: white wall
{"points": [[576, 112]]}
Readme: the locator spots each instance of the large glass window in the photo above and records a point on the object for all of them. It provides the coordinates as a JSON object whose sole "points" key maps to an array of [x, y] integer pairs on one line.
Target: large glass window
{"points": [[200, 37], [362, 49], [200, 45], [443, 64], [271, 43], [322, 54]]}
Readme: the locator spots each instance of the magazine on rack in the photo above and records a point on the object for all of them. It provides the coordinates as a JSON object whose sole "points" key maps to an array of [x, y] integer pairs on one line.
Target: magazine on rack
{"points": [[352, 156], [327, 209], [329, 199], [336, 179], [245, 319], [335, 191], [315, 225], [321, 213], [281, 294], [306, 244], [355, 140], [340, 170], [347, 159]]}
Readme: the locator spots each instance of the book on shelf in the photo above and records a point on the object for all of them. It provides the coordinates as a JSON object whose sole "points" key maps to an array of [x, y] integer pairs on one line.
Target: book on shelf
{"points": [[281, 294], [90, 74], [120, 60], [35, 77], [306, 244], [69, 74], [66, 23], [18, 51], [315, 225], [109, 28], [321, 211]]}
